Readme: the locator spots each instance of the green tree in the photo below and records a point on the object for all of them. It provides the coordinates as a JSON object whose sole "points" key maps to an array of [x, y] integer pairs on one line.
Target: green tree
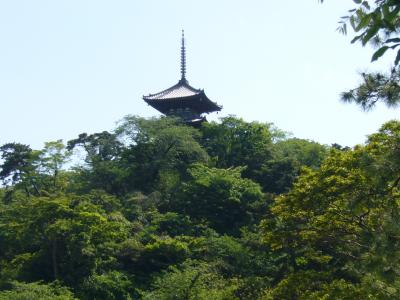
{"points": [[220, 197], [102, 169], [376, 23], [64, 238], [36, 290], [289, 156], [342, 220], [234, 142], [18, 167], [52, 158], [159, 152], [301, 152], [112, 285], [192, 280]]}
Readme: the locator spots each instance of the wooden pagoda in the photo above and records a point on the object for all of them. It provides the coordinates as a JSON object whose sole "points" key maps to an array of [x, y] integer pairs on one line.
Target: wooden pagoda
{"points": [[183, 100]]}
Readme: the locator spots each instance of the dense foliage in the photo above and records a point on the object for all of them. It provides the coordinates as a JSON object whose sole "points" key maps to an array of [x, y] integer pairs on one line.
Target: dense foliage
{"points": [[232, 210]]}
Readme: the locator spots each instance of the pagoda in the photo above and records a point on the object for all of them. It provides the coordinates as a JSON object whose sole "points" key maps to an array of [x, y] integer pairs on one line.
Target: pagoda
{"points": [[182, 100]]}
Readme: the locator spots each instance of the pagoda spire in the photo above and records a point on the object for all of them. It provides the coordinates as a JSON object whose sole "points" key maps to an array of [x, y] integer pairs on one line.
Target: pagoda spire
{"points": [[183, 58]]}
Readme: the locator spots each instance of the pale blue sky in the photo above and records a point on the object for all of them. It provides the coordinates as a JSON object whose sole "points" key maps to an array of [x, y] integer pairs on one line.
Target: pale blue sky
{"points": [[74, 66]]}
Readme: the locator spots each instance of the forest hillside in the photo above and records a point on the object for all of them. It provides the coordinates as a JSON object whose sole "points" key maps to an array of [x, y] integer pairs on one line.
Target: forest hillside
{"points": [[156, 209]]}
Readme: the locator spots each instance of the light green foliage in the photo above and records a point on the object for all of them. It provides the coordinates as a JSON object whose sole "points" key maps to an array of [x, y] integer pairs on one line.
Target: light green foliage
{"points": [[311, 285], [36, 290], [192, 280], [67, 237], [52, 159], [162, 252], [111, 286], [343, 217]]}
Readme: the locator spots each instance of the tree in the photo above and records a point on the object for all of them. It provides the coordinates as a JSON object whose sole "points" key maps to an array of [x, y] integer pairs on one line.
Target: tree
{"points": [[19, 166], [112, 285], [341, 221], [289, 156], [103, 146], [159, 151], [376, 23], [36, 290], [51, 161], [301, 152], [234, 143], [102, 169], [192, 280], [219, 197], [64, 237]]}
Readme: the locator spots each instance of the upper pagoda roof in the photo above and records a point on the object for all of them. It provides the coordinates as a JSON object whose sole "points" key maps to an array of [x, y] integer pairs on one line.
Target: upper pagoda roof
{"points": [[180, 90]]}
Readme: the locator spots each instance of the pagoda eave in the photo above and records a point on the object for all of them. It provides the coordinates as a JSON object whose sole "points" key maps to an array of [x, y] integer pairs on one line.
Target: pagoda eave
{"points": [[197, 103]]}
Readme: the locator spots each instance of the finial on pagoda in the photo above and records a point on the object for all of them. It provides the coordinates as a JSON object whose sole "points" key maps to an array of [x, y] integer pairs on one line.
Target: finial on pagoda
{"points": [[183, 58]]}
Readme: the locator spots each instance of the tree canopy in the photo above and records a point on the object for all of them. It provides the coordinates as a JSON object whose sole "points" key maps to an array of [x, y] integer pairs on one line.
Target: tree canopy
{"points": [[230, 210]]}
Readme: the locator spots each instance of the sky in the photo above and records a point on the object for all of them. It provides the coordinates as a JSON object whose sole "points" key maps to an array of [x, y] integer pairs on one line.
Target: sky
{"points": [[73, 66]]}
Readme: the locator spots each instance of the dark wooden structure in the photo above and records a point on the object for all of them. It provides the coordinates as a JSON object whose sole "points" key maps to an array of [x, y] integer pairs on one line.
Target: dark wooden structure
{"points": [[182, 100]]}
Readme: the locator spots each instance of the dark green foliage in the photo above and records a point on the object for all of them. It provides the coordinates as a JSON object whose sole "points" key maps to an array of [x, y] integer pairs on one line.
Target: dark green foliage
{"points": [[301, 152], [234, 143], [19, 167], [159, 152], [18, 161], [220, 198], [375, 87]]}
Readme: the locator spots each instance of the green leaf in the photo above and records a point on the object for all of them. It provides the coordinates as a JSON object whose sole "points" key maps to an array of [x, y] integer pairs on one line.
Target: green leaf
{"points": [[356, 38], [364, 22], [366, 5], [379, 53], [369, 34], [397, 60], [394, 40]]}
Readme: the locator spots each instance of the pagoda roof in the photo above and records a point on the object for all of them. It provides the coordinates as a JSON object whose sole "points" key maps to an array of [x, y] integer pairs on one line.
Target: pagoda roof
{"points": [[180, 90], [182, 95]]}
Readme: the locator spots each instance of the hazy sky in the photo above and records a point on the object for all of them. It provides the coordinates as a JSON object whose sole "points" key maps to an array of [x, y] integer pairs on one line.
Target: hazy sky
{"points": [[74, 66]]}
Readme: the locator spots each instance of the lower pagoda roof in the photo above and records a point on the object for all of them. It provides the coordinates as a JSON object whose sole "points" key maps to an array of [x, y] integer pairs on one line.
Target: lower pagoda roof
{"points": [[181, 96]]}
